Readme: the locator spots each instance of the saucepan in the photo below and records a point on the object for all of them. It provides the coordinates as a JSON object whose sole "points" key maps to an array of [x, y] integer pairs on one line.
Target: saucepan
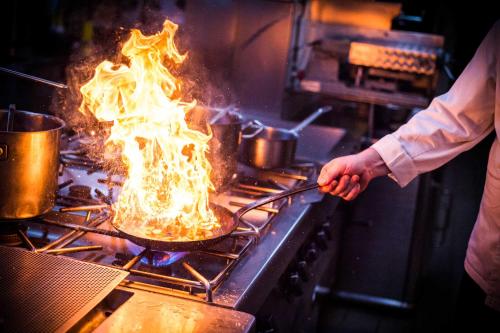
{"points": [[228, 221], [29, 160], [225, 124], [268, 147]]}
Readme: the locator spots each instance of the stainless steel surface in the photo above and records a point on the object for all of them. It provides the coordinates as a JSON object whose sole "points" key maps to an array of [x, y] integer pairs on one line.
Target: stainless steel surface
{"points": [[33, 78], [148, 312], [29, 164], [273, 147]]}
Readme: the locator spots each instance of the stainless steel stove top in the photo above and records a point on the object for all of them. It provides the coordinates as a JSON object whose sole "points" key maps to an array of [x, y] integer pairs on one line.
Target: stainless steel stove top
{"points": [[238, 273], [211, 275]]}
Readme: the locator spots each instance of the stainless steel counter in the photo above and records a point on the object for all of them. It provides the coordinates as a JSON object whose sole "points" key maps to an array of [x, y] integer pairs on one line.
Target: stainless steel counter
{"points": [[151, 312]]}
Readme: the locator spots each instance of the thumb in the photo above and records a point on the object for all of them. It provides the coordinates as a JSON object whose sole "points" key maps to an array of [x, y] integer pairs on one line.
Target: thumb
{"points": [[329, 172]]}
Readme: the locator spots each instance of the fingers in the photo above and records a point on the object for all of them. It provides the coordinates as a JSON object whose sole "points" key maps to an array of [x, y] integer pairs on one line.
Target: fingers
{"points": [[348, 187], [353, 193], [352, 184], [329, 187], [330, 172], [336, 178], [342, 186]]}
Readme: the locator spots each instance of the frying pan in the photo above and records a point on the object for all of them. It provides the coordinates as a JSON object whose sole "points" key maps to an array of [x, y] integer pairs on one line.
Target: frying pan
{"points": [[228, 225], [227, 219]]}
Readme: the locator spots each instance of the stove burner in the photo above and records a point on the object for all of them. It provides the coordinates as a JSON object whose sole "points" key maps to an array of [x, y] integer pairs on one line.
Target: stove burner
{"points": [[157, 258], [80, 191], [161, 259], [9, 233]]}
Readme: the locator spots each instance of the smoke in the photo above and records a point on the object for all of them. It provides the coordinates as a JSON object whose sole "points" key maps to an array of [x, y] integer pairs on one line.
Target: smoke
{"points": [[208, 86]]}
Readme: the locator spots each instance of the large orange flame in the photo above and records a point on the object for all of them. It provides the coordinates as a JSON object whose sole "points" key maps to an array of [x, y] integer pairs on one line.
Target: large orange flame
{"points": [[166, 193]]}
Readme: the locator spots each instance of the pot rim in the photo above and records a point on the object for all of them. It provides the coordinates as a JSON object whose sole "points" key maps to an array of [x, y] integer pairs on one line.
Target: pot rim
{"points": [[57, 120], [268, 129]]}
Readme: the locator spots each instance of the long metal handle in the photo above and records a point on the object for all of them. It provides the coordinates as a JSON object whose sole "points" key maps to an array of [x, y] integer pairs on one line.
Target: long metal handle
{"points": [[239, 213], [310, 119], [33, 78]]}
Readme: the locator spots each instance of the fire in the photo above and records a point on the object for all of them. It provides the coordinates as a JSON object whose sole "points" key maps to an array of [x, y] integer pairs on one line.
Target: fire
{"points": [[166, 192]]}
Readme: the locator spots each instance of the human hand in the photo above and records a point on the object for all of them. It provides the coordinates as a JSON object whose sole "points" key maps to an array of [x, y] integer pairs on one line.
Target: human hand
{"points": [[347, 176]]}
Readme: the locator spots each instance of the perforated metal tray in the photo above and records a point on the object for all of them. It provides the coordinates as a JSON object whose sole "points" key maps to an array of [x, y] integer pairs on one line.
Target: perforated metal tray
{"points": [[47, 293]]}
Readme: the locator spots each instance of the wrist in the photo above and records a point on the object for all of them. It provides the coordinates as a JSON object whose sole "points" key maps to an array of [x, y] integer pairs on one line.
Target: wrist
{"points": [[374, 163]]}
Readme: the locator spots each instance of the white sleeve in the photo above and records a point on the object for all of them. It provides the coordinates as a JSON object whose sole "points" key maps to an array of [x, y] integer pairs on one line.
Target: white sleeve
{"points": [[453, 122]]}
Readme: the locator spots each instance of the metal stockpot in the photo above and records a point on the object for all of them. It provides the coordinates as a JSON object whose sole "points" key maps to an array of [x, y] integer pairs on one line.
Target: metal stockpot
{"points": [[29, 161], [270, 147], [226, 137]]}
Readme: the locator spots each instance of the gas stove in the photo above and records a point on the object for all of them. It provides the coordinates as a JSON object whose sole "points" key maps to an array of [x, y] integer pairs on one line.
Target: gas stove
{"points": [[278, 254]]}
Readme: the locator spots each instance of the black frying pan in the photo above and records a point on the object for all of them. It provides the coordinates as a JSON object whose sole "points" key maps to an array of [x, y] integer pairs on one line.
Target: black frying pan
{"points": [[227, 219], [228, 225]]}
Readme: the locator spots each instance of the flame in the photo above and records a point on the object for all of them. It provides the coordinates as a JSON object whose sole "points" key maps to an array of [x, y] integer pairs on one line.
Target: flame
{"points": [[166, 193]]}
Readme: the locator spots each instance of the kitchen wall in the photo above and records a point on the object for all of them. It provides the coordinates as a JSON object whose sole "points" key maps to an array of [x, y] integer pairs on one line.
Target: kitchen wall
{"points": [[244, 45]]}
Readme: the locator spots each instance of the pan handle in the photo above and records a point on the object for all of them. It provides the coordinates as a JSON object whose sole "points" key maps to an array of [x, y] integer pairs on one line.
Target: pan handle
{"points": [[239, 213], [259, 127], [311, 118]]}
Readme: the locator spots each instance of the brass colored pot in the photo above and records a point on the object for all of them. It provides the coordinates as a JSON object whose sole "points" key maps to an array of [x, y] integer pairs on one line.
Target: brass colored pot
{"points": [[29, 160]]}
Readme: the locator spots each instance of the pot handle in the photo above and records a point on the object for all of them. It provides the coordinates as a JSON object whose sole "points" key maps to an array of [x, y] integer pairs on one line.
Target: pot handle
{"points": [[259, 127], [311, 118]]}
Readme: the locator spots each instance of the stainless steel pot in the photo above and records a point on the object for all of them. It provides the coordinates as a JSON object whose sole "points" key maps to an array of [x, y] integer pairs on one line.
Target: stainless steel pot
{"points": [[226, 137], [29, 160], [267, 147]]}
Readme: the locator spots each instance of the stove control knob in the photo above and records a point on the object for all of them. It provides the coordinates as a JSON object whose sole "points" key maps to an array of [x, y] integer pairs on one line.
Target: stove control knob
{"points": [[303, 270], [322, 240], [294, 284], [326, 227], [311, 253]]}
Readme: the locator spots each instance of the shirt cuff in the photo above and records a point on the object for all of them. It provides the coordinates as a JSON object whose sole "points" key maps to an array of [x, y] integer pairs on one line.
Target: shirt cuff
{"points": [[402, 168]]}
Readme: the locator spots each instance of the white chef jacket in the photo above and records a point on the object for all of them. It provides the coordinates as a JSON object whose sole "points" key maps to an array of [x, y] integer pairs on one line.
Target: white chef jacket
{"points": [[453, 123]]}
